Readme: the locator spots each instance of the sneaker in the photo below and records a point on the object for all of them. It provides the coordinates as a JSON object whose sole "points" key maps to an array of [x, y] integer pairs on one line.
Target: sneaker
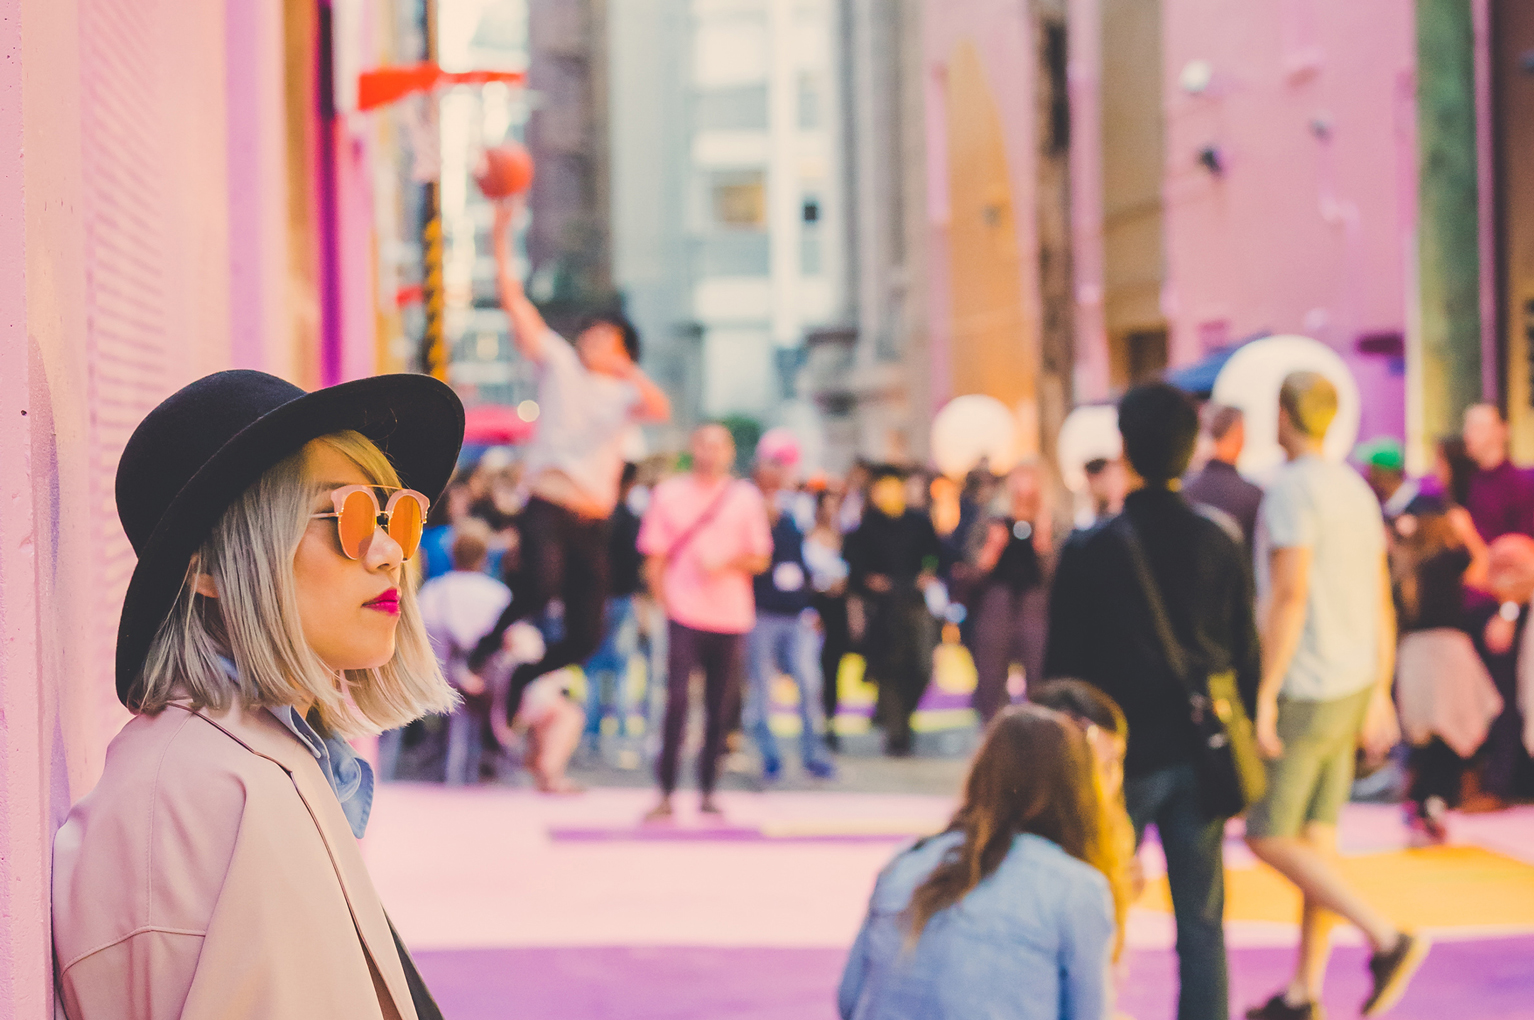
{"points": [[661, 812], [1393, 971], [1423, 829], [1278, 1008], [820, 769], [709, 806]]}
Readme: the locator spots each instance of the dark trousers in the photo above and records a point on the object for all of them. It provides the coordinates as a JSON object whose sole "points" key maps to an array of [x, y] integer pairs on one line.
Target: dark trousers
{"points": [[1505, 762], [1195, 871], [1010, 626], [899, 645], [721, 657], [564, 557], [836, 643], [1436, 772]]}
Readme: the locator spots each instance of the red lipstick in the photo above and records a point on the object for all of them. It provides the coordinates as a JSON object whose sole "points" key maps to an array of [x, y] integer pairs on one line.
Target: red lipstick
{"points": [[388, 602]]}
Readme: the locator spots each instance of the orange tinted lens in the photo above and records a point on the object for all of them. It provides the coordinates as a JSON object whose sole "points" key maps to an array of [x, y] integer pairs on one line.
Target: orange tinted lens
{"points": [[405, 524], [359, 516]]}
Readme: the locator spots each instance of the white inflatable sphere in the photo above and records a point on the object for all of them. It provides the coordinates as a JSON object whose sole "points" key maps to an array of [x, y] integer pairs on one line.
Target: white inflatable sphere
{"points": [[1251, 380], [1088, 433], [972, 427]]}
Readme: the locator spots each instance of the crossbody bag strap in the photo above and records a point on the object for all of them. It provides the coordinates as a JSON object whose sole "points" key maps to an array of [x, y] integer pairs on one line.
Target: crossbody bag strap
{"points": [[1176, 658], [702, 521], [420, 996]]}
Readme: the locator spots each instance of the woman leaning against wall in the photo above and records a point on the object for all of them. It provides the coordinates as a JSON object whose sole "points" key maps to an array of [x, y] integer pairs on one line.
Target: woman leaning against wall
{"points": [[214, 871]]}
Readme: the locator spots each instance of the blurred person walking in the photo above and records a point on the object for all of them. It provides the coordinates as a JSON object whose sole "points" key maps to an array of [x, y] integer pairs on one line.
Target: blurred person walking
{"points": [[1447, 699], [1009, 914], [457, 609], [607, 671], [1199, 588], [705, 536], [1384, 463], [1328, 636], [1500, 496], [590, 395], [828, 577], [891, 559], [1009, 558], [784, 639], [1500, 499], [1218, 484], [1107, 485]]}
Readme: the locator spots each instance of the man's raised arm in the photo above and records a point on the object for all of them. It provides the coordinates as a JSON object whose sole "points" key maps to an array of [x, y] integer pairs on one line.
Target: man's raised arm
{"points": [[528, 330]]}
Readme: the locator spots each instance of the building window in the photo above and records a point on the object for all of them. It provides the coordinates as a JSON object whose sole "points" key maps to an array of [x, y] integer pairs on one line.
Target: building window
{"points": [[812, 210], [734, 109], [740, 200], [810, 261], [809, 101]]}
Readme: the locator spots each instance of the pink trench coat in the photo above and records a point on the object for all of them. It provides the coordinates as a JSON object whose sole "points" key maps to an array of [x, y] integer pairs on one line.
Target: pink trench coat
{"points": [[211, 873]]}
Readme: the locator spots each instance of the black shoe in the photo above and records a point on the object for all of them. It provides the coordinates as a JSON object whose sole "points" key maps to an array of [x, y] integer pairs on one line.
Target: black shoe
{"points": [[1277, 1008], [1393, 971]]}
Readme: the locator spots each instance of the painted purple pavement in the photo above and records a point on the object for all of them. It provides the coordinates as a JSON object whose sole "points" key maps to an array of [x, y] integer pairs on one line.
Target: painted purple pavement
{"points": [[1476, 980]]}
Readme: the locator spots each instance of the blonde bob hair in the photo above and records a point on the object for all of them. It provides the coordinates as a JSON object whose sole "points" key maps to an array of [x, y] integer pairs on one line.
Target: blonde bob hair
{"points": [[254, 620]]}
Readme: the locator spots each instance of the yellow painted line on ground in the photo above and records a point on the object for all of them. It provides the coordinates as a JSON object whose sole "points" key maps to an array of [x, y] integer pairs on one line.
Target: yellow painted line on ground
{"points": [[1447, 887]]}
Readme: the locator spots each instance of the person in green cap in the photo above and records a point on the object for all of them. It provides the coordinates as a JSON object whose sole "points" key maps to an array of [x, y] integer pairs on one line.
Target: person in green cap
{"points": [[1384, 461]]}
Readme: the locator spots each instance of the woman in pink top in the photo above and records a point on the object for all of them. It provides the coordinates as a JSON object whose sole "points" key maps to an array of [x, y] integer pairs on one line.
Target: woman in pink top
{"points": [[705, 536]]}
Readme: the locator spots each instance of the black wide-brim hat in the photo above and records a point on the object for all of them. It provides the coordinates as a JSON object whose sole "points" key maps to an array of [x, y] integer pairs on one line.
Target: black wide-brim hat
{"points": [[199, 450]]}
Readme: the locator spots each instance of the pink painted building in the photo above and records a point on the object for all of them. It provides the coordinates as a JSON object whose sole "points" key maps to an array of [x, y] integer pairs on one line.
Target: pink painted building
{"points": [[1342, 171], [157, 228], [1250, 174]]}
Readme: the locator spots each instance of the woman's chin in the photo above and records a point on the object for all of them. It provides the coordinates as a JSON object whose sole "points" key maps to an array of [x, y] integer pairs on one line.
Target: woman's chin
{"points": [[360, 659]]}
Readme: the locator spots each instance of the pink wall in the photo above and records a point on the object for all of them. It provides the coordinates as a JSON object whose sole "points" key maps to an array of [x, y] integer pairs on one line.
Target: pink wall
{"points": [[1088, 259], [143, 202], [1306, 231]]}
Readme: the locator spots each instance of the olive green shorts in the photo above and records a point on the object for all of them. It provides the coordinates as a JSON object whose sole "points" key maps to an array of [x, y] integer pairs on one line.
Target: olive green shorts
{"points": [[1312, 780]]}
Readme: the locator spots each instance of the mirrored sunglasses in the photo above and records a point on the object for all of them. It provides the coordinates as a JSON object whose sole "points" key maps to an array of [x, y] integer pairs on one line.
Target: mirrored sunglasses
{"points": [[358, 515]]}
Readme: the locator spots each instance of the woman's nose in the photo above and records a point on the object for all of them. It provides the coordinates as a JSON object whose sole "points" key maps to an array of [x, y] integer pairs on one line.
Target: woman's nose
{"points": [[383, 552]]}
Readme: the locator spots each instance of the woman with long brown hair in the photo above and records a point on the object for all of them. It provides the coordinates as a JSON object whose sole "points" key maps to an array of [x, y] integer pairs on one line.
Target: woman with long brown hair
{"points": [[1009, 913]]}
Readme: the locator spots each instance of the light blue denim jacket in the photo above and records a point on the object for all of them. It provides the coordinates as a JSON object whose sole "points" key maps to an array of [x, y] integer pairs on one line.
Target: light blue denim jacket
{"points": [[1033, 941]]}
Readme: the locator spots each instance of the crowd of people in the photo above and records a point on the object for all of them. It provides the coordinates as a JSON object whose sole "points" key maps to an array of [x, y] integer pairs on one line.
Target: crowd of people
{"points": [[1320, 615], [1177, 647]]}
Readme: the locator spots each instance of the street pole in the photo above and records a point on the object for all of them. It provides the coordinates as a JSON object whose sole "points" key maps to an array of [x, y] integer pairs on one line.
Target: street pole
{"points": [[434, 353]]}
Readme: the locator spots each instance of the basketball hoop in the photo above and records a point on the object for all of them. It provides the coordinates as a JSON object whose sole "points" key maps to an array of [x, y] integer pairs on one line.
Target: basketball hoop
{"points": [[384, 85]]}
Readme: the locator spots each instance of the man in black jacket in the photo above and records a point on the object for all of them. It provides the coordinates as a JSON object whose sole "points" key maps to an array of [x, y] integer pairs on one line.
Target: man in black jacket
{"points": [[1102, 631], [891, 559]]}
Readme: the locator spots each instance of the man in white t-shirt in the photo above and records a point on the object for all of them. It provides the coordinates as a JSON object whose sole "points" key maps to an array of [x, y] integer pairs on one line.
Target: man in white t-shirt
{"points": [[590, 396], [1328, 657]]}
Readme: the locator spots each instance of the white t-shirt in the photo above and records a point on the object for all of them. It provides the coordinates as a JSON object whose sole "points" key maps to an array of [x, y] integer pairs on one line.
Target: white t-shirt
{"points": [[1324, 506], [460, 607], [584, 420]]}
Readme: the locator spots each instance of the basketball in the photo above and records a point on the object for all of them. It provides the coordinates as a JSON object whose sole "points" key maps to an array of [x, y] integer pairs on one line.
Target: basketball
{"points": [[504, 170]]}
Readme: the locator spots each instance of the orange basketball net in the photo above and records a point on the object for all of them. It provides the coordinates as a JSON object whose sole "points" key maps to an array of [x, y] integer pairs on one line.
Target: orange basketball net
{"points": [[383, 85]]}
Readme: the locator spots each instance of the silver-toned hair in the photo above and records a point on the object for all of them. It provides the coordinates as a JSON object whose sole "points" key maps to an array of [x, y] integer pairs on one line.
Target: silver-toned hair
{"points": [[254, 620]]}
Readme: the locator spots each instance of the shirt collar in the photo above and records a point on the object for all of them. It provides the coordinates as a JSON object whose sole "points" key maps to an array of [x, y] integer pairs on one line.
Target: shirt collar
{"points": [[350, 777]]}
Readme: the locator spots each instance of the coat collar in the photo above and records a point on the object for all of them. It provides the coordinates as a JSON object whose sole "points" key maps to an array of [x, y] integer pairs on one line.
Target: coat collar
{"points": [[259, 732]]}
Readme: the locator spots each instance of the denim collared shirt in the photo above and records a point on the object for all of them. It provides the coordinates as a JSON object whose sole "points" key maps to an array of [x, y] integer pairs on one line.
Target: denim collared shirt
{"points": [[1033, 941], [349, 776]]}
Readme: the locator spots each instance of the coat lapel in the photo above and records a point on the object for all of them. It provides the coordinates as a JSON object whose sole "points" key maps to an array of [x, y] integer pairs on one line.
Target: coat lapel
{"points": [[261, 734]]}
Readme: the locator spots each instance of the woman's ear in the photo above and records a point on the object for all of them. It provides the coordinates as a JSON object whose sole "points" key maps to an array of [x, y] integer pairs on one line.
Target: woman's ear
{"points": [[204, 584]]}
